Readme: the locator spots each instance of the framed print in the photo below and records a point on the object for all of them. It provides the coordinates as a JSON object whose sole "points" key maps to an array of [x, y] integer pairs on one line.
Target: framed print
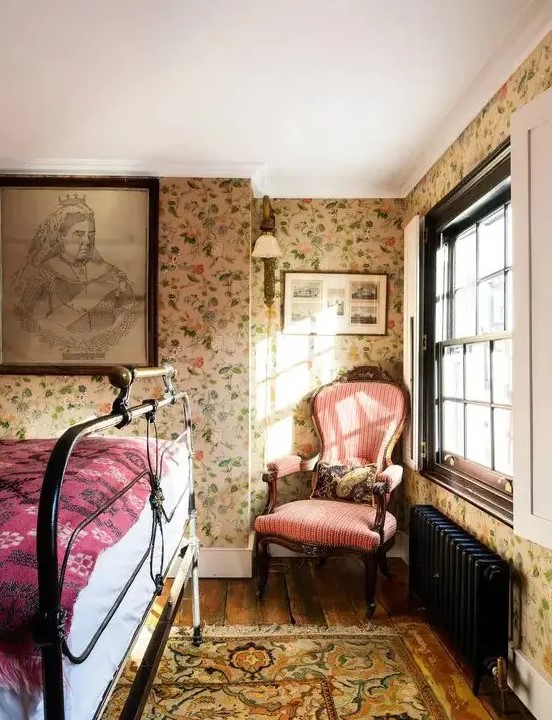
{"points": [[78, 273], [325, 303]]}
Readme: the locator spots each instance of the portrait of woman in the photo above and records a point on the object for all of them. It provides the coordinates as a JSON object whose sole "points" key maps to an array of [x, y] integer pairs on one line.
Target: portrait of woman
{"points": [[68, 297]]}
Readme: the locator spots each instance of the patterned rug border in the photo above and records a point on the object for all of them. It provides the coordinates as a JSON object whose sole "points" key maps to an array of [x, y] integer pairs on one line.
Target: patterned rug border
{"points": [[230, 631]]}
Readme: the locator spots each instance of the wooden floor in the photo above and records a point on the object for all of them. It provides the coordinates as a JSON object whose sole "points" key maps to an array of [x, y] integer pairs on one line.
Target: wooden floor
{"points": [[303, 592]]}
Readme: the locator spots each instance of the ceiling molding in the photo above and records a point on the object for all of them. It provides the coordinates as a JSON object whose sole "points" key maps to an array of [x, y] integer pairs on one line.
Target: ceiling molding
{"points": [[532, 27], [155, 167], [323, 183]]}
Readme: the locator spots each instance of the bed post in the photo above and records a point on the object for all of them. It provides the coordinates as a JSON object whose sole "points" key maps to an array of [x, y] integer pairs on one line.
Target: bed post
{"points": [[193, 539], [49, 624]]}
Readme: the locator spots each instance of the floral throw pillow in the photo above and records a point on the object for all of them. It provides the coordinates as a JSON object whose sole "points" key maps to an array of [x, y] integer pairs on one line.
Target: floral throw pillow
{"points": [[345, 482]]}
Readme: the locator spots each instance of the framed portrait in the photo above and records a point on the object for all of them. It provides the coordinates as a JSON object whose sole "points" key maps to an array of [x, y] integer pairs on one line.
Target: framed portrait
{"points": [[326, 303], [78, 273]]}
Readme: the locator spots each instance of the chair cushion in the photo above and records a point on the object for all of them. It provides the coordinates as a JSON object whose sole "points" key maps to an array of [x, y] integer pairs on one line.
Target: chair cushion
{"points": [[345, 482], [327, 522]]}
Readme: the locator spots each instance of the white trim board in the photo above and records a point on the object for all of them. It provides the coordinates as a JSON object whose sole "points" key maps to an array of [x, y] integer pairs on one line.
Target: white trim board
{"points": [[531, 687], [225, 562], [156, 167]]}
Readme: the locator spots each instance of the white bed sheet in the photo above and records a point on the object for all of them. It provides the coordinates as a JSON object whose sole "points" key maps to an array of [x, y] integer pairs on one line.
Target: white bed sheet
{"points": [[87, 682]]}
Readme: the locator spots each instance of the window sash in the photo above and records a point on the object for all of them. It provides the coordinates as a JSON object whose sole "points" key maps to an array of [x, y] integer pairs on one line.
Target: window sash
{"points": [[486, 189]]}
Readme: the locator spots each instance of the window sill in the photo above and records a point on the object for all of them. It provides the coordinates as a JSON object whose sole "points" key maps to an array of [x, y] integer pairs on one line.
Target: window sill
{"points": [[495, 503]]}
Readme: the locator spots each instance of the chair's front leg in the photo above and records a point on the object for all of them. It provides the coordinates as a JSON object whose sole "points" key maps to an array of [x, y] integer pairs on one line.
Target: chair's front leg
{"points": [[263, 559], [370, 578]]}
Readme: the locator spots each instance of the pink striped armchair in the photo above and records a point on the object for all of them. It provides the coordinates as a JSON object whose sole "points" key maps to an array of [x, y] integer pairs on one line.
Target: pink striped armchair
{"points": [[359, 419]]}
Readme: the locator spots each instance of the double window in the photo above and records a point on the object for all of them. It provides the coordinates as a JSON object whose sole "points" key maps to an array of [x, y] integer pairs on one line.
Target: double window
{"points": [[467, 356]]}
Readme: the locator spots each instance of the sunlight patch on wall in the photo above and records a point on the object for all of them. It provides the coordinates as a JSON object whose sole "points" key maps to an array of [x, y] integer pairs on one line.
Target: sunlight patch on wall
{"points": [[279, 438]]}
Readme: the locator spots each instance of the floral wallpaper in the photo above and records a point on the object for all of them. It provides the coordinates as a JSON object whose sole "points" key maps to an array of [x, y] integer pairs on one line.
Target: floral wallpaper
{"points": [[532, 563], [205, 237], [317, 235]]}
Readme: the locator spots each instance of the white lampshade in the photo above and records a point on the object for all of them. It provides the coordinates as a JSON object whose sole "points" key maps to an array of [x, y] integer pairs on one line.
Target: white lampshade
{"points": [[266, 247]]}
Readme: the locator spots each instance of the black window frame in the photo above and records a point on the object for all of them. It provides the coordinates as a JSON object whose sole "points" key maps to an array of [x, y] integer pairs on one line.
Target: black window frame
{"points": [[485, 189]]}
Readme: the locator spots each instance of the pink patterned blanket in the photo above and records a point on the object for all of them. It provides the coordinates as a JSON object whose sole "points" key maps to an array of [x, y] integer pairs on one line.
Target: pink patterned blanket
{"points": [[98, 468]]}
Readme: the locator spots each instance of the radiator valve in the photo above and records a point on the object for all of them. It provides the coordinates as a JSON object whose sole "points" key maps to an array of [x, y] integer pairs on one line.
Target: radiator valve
{"points": [[500, 674]]}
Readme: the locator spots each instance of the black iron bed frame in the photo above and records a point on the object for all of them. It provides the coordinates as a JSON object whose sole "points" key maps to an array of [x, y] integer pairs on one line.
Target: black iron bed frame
{"points": [[48, 631]]}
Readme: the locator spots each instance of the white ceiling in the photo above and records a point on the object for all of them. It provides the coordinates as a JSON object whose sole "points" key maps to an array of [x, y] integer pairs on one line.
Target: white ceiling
{"points": [[310, 97]]}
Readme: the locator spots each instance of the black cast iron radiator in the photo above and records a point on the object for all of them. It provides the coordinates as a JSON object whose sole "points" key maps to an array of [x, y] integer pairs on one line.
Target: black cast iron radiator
{"points": [[464, 586]]}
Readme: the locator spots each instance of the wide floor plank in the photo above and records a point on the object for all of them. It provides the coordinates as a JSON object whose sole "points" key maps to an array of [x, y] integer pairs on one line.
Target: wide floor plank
{"points": [[213, 601], [336, 603], [241, 603], [304, 603], [274, 607]]}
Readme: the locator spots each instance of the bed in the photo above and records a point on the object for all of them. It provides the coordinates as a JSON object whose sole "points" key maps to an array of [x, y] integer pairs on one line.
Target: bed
{"points": [[113, 514]]}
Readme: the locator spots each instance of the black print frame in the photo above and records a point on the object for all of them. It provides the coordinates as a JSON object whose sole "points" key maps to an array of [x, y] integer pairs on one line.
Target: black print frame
{"points": [[331, 303], [79, 259]]}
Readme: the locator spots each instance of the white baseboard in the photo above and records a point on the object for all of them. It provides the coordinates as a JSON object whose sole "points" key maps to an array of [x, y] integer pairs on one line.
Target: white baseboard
{"points": [[399, 549], [225, 562], [531, 686]]}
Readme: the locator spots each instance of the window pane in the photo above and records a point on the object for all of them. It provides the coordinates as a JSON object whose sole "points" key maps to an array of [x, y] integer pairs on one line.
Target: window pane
{"points": [[491, 305], [503, 441], [440, 271], [464, 259], [453, 427], [502, 372], [478, 376], [509, 301], [508, 235], [453, 372], [464, 312], [491, 244], [478, 434]]}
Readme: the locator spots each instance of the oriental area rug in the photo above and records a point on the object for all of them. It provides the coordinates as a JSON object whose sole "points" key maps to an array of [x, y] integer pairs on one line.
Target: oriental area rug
{"points": [[289, 673]]}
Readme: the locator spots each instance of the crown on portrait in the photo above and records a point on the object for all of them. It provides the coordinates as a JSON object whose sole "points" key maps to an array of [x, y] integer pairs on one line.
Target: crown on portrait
{"points": [[70, 200]]}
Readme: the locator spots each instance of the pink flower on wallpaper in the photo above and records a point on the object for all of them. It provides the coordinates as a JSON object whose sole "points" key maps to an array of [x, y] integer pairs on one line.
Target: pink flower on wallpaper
{"points": [[198, 362], [503, 92], [198, 269], [390, 241], [391, 324], [198, 454]]}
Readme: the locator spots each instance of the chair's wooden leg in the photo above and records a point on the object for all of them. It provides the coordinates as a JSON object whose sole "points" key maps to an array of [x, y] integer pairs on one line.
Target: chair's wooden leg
{"points": [[262, 567], [371, 574], [383, 564]]}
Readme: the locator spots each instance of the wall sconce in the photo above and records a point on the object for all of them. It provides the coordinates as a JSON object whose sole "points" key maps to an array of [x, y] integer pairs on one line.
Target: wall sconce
{"points": [[266, 248]]}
